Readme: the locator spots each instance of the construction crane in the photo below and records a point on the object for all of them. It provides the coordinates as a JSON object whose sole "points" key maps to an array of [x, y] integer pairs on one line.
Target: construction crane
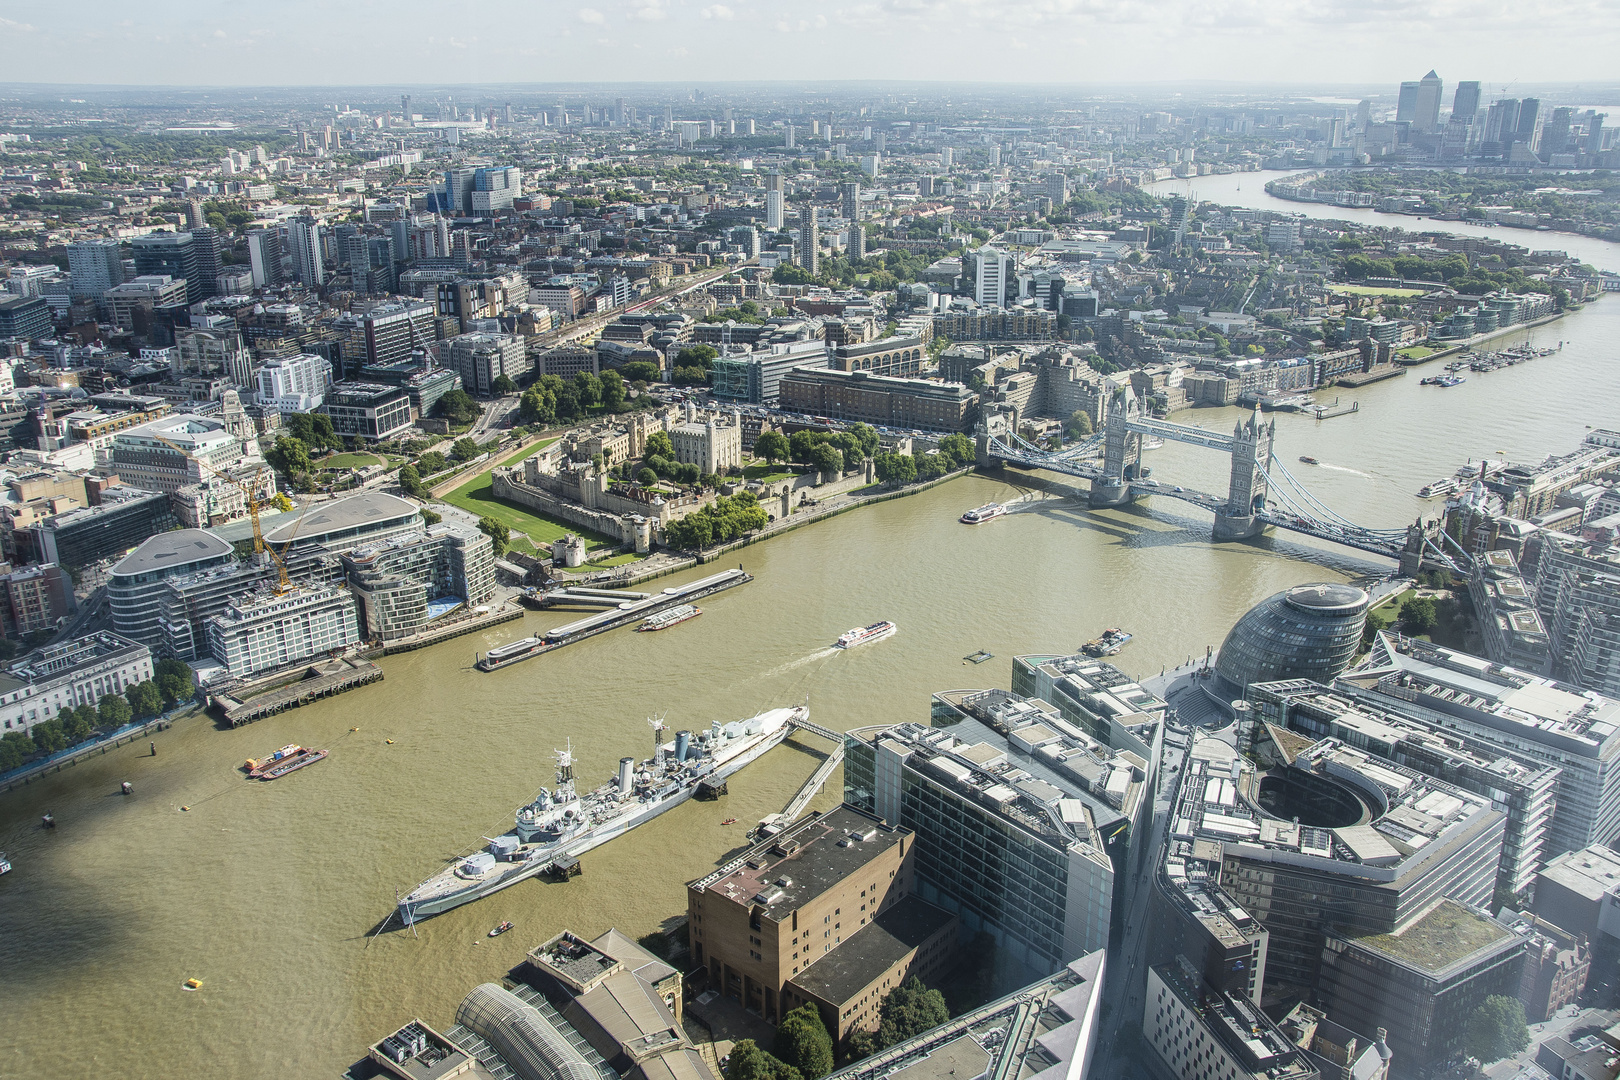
{"points": [[251, 493]]}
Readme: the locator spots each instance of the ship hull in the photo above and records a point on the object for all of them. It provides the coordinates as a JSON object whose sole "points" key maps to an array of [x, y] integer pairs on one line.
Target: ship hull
{"points": [[414, 911]]}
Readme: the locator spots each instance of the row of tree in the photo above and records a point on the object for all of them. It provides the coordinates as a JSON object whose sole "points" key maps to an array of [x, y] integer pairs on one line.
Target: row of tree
{"points": [[803, 1048], [171, 683], [955, 452], [723, 520], [431, 463], [552, 400]]}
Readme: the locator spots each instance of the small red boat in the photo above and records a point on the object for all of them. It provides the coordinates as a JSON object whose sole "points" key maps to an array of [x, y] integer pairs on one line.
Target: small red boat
{"points": [[501, 929], [729, 821]]}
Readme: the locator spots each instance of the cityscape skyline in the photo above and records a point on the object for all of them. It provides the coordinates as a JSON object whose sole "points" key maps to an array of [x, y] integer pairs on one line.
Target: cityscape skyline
{"points": [[663, 39]]}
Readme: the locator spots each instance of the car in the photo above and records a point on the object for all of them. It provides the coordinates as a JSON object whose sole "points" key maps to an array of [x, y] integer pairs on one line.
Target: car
{"points": [[1178, 489]]}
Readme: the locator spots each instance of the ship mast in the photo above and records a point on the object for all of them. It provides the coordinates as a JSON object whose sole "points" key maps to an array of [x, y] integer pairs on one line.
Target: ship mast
{"points": [[657, 723]]}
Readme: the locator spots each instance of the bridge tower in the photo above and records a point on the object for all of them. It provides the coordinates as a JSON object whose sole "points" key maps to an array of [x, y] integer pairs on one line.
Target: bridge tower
{"points": [[1246, 498], [1122, 452]]}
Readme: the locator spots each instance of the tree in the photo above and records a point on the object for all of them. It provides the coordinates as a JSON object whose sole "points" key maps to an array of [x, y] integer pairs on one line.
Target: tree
{"points": [[642, 371], [281, 502], [1078, 426], [289, 456], [410, 481], [613, 394], [772, 446], [866, 437], [1418, 615], [896, 469], [910, 1009], [699, 356], [113, 710], [802, 444], [749, 1062], [802, 1041], [1497, 1029], [465, 449], [80, 723], [646, 477], [431, 462], [503, 386], [498, 533], [174, 681], [145, 700], [14, 749], [588, 389], [827, 458], [538, 406], [659, 445], [458, 407], [960, 449]]}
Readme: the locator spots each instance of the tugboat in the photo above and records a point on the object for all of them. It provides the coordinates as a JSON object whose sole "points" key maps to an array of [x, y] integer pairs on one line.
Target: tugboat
{"points": [[501, 929]]}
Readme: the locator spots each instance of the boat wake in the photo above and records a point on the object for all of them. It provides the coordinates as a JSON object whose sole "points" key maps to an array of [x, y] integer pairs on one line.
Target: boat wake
{"points": [[791, 665], [1344, 468]]}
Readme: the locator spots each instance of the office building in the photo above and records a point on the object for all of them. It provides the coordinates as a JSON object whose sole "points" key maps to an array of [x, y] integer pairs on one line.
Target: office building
{"points": [[774, 217], [23, 318], [167, 454], [67, 675], [80, 536], [1406, 104], [1579, 892], [1421, 981], [1326, 838], [714, 445], [1465, 103], [1556, 964], [135, 586], [1199, 1032], [216, 352], [1306, 632], [207, 244], [96, 266], [1100, 699], [1426, 109], [186, 602], [1528, 715], [367, 410], [877, 399], [304, 248], [1522, 787], [755, 378], [1007, 843], [173, 255], [33, 598], [809, 247], [480, 359], [264, 258], [294, 384], [406, 582], [344, 524], [901, 357], [385, 334], [132, 304], [1063, 1009], [991, 269], [762, 920], [264, 632]]}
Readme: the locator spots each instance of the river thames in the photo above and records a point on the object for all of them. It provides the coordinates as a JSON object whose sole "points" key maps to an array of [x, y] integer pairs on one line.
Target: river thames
{"points": [[267, 892]]}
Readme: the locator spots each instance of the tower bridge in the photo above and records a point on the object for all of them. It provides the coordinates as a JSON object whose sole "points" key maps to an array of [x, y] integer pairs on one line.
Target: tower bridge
{"points": [[1261, 494]]}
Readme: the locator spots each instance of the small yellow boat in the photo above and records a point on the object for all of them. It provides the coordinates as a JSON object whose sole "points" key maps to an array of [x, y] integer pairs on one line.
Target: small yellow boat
{"points": [[191, 984]]}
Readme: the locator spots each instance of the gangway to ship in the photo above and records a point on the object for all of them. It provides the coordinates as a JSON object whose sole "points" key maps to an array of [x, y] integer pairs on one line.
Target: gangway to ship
{"points": [[775, 823], [831, 736]]}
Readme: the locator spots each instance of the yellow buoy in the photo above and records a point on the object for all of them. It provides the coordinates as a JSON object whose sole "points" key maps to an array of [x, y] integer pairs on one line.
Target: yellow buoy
{"points": [[185, 808], [390, 742], [191, 984]]}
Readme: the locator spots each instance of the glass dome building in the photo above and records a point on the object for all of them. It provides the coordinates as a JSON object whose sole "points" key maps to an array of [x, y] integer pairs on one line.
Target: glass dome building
{"points": [[1307, 632]]}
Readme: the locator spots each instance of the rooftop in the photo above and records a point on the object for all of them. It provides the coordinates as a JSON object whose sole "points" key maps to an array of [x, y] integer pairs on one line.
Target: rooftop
{"points": [[172, 550], [1591, 872], [873, 949], [793, 868], [1445, 935], [373, 508]]}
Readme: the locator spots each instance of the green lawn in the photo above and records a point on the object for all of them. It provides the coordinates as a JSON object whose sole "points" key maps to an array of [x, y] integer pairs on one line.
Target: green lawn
{"points": [[478, 497], [348, 461], [1416, 352], [614, 560], [1375, 290], [767, 474]]}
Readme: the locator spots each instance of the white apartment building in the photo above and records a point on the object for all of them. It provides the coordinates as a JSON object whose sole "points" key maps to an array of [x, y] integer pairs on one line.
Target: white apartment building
{"points": [[292, 384], [65, 676], [266, 632], [990, 281], [175, 451]]}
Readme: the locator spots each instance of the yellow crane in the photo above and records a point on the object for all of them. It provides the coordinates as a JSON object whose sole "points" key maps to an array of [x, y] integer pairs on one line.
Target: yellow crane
{"points": [[251, 493]]}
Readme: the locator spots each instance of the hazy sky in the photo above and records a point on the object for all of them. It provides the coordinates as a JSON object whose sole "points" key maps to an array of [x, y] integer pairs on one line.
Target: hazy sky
{"points": [[299, 42]]}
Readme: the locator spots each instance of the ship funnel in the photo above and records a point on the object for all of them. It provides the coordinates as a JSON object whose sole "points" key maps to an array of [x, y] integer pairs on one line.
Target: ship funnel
{"points": [[683, 743], [627, 774]]}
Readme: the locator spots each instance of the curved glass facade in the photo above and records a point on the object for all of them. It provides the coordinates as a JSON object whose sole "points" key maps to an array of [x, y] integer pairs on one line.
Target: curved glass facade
{"points": [[1307, 632], [524, 1038]]}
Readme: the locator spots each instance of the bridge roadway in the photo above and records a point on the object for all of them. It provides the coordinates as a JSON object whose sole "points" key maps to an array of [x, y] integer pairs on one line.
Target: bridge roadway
{"points": [[1385, 544]]}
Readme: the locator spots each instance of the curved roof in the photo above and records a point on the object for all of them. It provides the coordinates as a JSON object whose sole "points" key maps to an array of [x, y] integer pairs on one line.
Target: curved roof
{"points": [[529, 1043], [356, 515], [1327, 598], [172, 553]]}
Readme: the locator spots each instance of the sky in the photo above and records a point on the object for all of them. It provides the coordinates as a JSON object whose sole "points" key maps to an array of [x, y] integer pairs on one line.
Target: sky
{"points": [[1091, 42]]}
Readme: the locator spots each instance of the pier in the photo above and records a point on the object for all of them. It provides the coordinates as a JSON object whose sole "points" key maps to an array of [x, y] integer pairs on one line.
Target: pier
{"points": [[324, 683], [619, 614], [775, 823]]}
